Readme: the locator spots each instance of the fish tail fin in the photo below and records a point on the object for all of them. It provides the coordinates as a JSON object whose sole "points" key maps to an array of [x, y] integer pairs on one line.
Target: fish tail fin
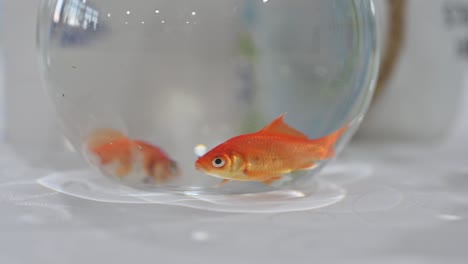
{"points": [[99, 143], [103, 136], [328, 142]]}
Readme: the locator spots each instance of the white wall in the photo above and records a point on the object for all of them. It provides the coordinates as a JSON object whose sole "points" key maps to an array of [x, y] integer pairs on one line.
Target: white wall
{"points": [[2, 96], [30, 121], [423, 95], [2, 78]]}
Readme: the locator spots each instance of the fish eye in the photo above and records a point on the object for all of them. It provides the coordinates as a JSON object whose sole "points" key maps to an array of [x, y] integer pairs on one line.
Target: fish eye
{"points": [[218, 162]]}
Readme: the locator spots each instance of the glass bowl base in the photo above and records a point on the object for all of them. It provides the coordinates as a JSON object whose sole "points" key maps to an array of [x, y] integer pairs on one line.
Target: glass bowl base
{"points": [[324, 190]]}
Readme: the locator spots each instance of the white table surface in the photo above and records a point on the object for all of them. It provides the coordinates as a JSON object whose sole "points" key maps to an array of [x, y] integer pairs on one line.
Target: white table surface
{"points": [[413, 208]]}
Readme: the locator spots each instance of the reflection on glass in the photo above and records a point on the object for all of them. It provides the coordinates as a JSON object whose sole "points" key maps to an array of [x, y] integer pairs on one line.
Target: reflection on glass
{"points": [[76, 13], [74, 20]]}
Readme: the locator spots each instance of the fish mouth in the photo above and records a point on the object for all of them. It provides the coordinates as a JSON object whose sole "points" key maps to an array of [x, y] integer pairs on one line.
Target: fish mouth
{"points": [[198, 166]]}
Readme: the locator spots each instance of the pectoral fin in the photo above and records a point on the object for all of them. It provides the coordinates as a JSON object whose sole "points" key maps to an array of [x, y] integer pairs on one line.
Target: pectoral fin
{"points": [[270, 180], [223, 182], [309, 166]]}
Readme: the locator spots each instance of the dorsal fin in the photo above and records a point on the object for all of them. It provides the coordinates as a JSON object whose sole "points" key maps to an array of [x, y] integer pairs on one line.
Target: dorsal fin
{"points": [[278, 126], [103, 136]]}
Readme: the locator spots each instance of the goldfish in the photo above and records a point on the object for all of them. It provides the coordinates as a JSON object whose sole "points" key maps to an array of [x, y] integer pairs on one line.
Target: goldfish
{"points": [[113, 147], [267, 154]]}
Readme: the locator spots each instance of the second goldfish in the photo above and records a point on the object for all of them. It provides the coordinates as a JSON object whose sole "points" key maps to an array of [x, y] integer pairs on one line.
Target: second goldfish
{"points": [[114, 148]]}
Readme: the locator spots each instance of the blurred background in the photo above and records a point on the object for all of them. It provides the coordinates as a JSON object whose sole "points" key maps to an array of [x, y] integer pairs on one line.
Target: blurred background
{"points": [[414, 209], [419, 94]]}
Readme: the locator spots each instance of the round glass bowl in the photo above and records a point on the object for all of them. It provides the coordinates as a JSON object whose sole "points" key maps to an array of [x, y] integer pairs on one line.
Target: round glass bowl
{"points": [[186, 75]]}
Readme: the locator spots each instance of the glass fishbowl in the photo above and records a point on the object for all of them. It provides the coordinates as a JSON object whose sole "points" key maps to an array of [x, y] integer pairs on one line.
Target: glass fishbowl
{"points": [[203, 101]]}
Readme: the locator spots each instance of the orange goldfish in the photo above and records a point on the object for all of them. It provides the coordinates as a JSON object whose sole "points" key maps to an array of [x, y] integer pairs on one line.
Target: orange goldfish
{"points": [[111, 146], [266, 155]]}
